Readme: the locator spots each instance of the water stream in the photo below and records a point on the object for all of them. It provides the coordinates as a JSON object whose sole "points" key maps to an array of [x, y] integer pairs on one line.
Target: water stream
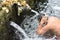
{"points": [[30, 28]]}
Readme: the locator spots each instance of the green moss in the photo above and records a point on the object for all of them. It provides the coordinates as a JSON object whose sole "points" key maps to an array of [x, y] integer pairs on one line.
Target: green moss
{"points": [[31, 3], [4, 19]]}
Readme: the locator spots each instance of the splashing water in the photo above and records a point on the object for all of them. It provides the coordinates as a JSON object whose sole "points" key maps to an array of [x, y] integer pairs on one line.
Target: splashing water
{"points": [[30, 28], [30, 32]]}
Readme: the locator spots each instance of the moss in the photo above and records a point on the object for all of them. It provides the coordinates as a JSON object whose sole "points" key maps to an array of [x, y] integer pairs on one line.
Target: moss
{"points": [[4, 19]]}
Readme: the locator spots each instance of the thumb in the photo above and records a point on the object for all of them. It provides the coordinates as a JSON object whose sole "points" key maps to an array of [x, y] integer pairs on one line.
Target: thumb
{"points": [[43, 30]]}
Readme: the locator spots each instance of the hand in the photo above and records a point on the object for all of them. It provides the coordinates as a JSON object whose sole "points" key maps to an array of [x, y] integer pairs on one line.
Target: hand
{"points": [[43, 20], [53, 24]]}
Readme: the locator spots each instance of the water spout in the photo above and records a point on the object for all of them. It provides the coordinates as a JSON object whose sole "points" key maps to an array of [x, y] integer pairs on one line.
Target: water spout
{"points": [[36, 14], [18, 28]]}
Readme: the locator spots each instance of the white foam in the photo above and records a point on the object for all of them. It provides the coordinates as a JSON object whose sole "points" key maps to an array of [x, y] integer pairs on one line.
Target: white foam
{"points": [[56, 7]]}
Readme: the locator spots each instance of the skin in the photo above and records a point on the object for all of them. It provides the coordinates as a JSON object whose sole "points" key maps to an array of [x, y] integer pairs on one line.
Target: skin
{"points": [[53, 24]]}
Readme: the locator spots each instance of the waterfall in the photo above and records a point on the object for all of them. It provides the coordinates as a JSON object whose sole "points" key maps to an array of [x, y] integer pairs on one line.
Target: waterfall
{"points": [[18, 28]]}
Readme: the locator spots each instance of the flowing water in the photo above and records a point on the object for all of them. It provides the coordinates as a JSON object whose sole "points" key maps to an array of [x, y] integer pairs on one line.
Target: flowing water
{"points": [[30, 23], [18, 28]]}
